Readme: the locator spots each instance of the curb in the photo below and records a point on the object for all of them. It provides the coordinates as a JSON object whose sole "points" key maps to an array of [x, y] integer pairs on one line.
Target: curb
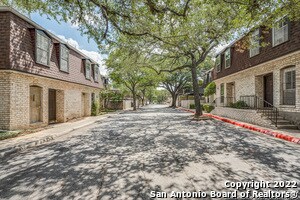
{"points": [[251, 127], [18, 148]]}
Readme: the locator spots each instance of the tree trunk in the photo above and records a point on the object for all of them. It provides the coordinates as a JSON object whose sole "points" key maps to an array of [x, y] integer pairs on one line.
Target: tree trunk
{"points": [[134, 100], [174, 99], [196, 89], [143, 101]]}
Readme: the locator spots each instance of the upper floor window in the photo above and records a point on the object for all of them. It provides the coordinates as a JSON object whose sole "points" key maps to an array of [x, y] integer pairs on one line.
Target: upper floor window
{"points": [[87, 69], [227, 58], [218, 63], [42, 50], [64, 58], [96, 73], [254, 42], [281, 31]]}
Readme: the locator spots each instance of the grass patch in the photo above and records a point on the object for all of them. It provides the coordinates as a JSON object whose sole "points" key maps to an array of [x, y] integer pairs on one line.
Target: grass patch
{"points": [[8, 134]]}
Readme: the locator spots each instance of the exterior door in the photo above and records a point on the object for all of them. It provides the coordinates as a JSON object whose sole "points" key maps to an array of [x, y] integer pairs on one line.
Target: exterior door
{"points": [[52, 105], [268, 89], [35, 104]]}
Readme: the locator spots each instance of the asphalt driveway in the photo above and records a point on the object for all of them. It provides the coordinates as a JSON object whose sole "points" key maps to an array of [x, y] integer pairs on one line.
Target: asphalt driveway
{"points": [[136, 155]]}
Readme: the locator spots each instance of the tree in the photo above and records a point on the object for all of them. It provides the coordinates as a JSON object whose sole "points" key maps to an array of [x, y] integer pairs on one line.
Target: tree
{"points": [[180, 33], [161, 96], [174, 83], [210, 89], [123, 71]]}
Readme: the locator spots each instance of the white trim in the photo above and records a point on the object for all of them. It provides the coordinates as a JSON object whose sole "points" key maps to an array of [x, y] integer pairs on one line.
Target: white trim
{"points": [[227, 50], [40, 33], [255, 40], [283, 27], [61, 46], [220, 66]]}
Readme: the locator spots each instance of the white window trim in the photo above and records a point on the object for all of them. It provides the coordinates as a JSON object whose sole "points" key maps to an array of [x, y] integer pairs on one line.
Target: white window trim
{"points": [[284, 77], [61, 58], [283, 85], [43, 34], [227, 50], [218, 69], [96, 66], [273, 32], [85, 67], [256, 33]]}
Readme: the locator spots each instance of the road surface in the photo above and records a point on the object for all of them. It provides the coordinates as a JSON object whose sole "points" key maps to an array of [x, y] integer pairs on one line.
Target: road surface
{"points": [[139, 155]]}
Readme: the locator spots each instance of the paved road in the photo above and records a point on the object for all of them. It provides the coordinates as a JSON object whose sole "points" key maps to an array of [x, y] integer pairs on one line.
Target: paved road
{"points": [[155, 149]]}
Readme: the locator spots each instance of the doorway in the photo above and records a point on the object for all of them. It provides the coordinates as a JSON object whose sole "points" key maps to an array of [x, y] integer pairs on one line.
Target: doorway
{"points": [[52, 106], [268, 89], [35, 104]]}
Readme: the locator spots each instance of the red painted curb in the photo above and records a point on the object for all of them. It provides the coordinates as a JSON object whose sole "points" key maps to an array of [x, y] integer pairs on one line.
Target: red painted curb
{"points": [[250, 127]]}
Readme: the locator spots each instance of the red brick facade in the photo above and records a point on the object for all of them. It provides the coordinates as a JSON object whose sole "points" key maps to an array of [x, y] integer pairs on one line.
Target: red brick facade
{"points": [[17, 37]]}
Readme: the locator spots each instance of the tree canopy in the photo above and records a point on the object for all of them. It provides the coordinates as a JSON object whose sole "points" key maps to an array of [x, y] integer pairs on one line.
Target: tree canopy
{"points": [[169, 35]]}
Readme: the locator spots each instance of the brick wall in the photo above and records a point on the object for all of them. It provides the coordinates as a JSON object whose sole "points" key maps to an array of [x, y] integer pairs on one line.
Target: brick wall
{"points": [[250, 81], [248, 116], [21, 55], [15, 102], [4, 101]]}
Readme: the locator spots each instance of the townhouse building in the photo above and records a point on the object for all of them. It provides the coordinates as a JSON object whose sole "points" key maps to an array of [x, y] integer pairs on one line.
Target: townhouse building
{"points": [[42, 79], [264, 76]]}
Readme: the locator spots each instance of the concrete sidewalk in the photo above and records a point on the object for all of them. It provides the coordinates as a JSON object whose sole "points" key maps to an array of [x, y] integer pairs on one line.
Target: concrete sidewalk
{"points": [[285, 134], [13, 145]]}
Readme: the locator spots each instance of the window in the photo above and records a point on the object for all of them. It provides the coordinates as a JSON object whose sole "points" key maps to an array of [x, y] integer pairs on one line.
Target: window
{"points": [[289, 86], [87, 69], [281, 31], [42, 48], [254, 40], [93, 97], [64, 58], [96, 73], [227, 58], [218, 63], [222, 93]]}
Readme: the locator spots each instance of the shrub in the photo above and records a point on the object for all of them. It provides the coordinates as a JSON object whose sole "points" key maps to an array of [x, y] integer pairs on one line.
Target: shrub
{"points": [[239, 104], [208, 108], [210, 89], [192, 106], [95, 108], [8, 134]]}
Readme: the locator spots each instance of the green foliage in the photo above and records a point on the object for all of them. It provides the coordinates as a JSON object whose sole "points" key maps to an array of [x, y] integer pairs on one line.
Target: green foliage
{"points": [[239, 104], [200, 82], [8, 134], [95, 108], [161, 96], [192, 106], [210, 89], [208, 108], [111, 95]]}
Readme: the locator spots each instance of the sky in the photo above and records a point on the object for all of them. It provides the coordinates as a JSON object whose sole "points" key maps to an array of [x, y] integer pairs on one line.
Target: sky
{"points": [[69, 33]]}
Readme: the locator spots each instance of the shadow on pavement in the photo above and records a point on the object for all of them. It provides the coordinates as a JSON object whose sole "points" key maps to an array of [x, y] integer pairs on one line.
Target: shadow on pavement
{"points": [[129, 155]]}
